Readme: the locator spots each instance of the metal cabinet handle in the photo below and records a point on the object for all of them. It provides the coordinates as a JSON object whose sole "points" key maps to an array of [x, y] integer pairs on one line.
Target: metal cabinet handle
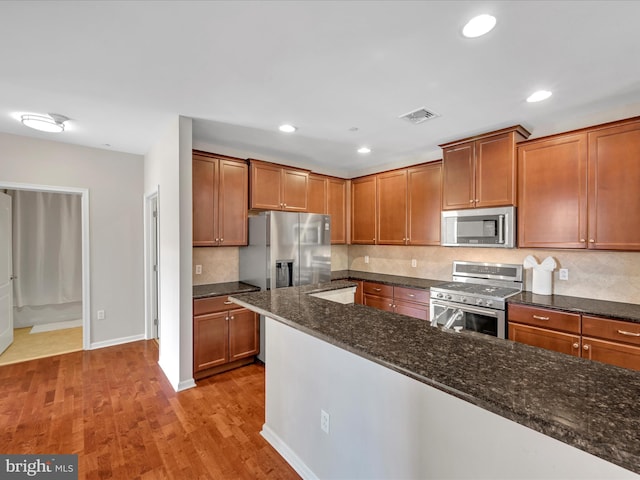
{"points": [[630, 334], [412, 295], [591, 240], [576, 345], [228, 302], [231, 317], [470, 201], [586, 347], [391, 305], [377, 289], [477, 200], [221, 240], [582, 240], [538, 317]]}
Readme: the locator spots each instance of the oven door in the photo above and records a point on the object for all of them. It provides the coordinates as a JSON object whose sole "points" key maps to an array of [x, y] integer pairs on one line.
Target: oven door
{"points": [[479, 319]]}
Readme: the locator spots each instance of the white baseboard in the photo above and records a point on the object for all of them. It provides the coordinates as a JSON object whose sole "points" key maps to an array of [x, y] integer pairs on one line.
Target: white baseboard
{"points": [[116, 341], [289, 455], [186, 384]]}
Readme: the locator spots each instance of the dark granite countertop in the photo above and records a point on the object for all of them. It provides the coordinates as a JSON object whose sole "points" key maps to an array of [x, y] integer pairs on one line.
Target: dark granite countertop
{"points": [[589, 405], [395, 280], [220, 289], [629, 312]]}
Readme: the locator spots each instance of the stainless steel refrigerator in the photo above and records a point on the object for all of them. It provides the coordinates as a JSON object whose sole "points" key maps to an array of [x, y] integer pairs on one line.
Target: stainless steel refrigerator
{"points": [[286, 249]]}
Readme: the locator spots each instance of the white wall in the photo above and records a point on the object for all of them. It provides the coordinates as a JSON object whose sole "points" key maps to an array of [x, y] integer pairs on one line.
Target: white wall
{"points": [[386, 425], [167, 168], [115, 184]]}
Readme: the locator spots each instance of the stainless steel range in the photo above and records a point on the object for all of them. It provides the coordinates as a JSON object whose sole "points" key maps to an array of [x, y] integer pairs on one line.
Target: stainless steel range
{"points": [[475, 299]]}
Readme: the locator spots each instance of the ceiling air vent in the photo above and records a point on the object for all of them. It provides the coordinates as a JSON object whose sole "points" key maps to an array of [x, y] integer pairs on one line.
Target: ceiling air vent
{"points": [[419, 115]]}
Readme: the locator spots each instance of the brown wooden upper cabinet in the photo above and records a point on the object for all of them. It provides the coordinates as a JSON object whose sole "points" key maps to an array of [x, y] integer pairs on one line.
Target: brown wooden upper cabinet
{"points": [[277, 187], [481, 171], [363, 210], [408, 205], [580, 189], [328, 195], [220, 200]]}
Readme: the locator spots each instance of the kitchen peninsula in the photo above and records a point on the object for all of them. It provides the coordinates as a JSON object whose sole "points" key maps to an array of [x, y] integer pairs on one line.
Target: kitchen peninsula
{"points": [[404, 399]]}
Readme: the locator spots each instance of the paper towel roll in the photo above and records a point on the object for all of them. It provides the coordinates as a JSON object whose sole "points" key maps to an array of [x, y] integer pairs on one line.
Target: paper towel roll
{"points": [[542, 274]]}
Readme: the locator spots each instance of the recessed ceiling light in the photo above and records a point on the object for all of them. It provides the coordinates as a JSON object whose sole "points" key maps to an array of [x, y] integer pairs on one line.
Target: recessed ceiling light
{"points": [[364, 150], [539, 96], [286, 128], [52, 122], [479, 25]]}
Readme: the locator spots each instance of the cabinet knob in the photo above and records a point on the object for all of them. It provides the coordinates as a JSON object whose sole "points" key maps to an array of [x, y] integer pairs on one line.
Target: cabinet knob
{"points": [[591, 240], [582, 240], [285, 205], [221, 240], [576, 345], [477, 200], [470, 201], [231, 317], [391, 305], [217, 239], [586, 347]]}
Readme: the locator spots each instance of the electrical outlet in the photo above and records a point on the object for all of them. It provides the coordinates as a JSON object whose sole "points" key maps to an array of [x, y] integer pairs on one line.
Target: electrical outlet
{"points": [[414, 263], [324, 421], [198, 269], [366, 259], [564, 274], [100, 314]]}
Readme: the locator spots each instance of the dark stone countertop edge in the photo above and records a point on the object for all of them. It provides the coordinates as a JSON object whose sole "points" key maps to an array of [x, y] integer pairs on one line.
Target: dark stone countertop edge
{"points": [[613, 452], [220, 289]]}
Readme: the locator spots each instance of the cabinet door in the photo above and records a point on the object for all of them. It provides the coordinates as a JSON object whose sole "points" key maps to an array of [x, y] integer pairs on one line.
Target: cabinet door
{"points": [[614, 188], [294, 190], [458, 176], [495, 171], [613, 353], [543, 338], [233, 198], [359, 295], [381, 303], [210, 341], [425, 204], [244, 337], [266, 185], [392, 208], [204, 207], [337, 208], [363, 210], [410, 309], [552, 206], [317, 194]]}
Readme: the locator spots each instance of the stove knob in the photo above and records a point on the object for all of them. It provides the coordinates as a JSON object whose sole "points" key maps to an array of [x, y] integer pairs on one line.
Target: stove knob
{"points": [[479, 301], [463, 299], [489, 303], [447, 297], [439, 295]]}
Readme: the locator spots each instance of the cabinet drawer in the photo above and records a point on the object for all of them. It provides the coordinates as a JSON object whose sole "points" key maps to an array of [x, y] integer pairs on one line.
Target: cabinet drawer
{"points": [[378, 289], [625, 332], [212, 304], [411, 294], [542, 317], [411, 309]]}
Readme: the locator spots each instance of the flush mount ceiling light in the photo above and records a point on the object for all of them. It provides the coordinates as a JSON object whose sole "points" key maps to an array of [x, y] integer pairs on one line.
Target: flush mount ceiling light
{"points": [[538, 96], [286, 128], [364, 150], [479, 26], [52, 122]]}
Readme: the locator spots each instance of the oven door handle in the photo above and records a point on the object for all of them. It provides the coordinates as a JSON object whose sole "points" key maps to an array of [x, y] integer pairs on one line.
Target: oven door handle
{"points": [[468, 308]]}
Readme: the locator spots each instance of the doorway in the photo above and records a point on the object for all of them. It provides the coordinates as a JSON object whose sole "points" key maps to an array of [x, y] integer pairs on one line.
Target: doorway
{"points": [[152, 266], [80, 309]]}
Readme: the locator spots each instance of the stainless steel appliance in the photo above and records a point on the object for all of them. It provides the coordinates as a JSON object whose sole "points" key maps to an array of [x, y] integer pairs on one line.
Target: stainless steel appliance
{"points": [[475, 299], [286, 249], [479, 227]]}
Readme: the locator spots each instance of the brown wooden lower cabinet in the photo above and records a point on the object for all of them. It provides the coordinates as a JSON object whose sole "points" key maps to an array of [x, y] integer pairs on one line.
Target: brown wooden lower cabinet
{"points": [[545, 338], [600, 339], [224, 337], [412, 302]]}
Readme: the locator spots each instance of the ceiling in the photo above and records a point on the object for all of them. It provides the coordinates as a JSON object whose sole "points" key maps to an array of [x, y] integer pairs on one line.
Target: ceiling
{"points": [[123, 70]]}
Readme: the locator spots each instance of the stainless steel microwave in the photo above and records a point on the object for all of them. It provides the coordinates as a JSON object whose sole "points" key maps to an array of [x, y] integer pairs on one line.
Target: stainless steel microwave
{"points": [[479, 227]]}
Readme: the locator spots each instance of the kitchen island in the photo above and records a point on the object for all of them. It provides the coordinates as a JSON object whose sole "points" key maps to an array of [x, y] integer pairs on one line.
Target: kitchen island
{"points": [[407, 399]]}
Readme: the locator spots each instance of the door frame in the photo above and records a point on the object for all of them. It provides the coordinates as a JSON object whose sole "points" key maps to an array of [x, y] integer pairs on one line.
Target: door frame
{"points": [[149, 200], [86, 245]]}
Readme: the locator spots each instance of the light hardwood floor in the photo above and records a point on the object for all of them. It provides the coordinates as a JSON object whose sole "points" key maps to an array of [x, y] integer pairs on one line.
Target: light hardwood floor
{"points": [[116, 410], [29, 346]]}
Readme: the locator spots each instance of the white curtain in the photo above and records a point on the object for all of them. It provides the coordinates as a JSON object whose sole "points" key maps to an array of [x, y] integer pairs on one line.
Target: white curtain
{"points": [[47, 248]]}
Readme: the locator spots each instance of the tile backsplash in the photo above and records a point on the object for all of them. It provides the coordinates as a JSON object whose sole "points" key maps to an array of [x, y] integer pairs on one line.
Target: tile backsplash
{"points": [[611, 276]]}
